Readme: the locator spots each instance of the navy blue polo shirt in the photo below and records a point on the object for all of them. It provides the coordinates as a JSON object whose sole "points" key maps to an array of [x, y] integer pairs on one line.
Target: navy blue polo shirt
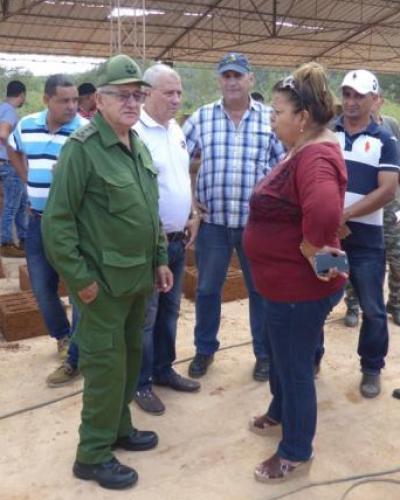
{"points": [[367, 153]]}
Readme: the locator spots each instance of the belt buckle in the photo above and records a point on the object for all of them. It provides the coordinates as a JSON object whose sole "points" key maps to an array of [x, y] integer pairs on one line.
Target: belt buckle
{"points": [[175, 236]]}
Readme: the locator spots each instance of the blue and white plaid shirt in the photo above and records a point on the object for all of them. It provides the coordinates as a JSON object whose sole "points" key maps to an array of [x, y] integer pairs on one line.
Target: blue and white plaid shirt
{"points": [[233, 159]]}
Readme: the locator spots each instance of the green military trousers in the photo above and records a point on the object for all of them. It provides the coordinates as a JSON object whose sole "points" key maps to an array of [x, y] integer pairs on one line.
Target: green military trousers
{"points": [[109, 337]]}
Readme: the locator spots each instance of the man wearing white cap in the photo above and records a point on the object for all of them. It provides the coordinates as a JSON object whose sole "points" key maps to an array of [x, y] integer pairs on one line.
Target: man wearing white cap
{"points": [[372, 164]]}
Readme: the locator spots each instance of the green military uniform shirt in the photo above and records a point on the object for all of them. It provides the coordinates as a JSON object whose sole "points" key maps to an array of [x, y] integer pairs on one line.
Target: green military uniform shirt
{"points": [[101, 221]]}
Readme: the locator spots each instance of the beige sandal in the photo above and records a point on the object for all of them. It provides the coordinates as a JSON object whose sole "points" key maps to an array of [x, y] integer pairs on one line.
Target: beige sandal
{"points": [[262, 425], [277, 469]]}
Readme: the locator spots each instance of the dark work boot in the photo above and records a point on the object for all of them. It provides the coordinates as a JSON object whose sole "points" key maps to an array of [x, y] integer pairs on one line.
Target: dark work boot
{"points": [[137, 441], [394, 312], [112, 474], [199, 365], [370, 385], [261, 370], [351, 318]]}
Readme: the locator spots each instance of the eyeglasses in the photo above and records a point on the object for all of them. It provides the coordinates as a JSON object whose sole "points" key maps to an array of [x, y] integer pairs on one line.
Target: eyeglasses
{"points": [[124, 97], [290, 83]]}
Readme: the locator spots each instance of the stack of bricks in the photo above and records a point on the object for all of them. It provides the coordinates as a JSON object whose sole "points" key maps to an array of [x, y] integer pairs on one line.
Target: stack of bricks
{"points": [[191, 260], [25, 282], [20, 317], [234, 287]]}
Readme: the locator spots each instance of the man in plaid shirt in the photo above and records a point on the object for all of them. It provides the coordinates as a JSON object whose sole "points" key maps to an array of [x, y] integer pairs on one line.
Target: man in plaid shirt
{"points": [[237, 147]]}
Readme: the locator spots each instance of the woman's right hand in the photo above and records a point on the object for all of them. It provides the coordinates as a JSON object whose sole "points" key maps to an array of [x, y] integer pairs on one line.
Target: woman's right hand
{"points": [[333, 272]]}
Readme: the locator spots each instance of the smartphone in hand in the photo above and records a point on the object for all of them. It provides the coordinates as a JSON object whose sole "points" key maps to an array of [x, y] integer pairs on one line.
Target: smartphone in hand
{"points": [[326, 261]]}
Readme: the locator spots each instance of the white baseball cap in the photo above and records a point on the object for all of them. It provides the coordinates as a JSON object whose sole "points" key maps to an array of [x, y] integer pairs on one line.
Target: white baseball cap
{"points": [[362, 81]]}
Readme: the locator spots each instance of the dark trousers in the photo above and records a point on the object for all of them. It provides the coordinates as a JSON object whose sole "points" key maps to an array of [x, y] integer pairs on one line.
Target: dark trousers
{"points": [[159, 331], [294, 333], [367, 275], [214, 247], [15, 204]]}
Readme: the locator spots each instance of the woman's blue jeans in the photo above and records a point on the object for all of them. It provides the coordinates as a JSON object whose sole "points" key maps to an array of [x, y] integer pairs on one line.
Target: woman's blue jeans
{"points": [[294, 334]]}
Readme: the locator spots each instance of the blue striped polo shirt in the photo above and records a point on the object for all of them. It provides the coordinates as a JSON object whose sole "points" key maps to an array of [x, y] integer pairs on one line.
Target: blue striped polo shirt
{"points": [[367, 153], [42, 148]]}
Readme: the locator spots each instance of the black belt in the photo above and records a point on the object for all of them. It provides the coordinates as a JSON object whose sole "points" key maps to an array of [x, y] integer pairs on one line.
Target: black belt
{"points": [[35, 213], [177, 236]]}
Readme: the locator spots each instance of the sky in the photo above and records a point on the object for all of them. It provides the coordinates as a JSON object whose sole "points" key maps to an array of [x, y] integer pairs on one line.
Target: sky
{"points": [[39, 64]]}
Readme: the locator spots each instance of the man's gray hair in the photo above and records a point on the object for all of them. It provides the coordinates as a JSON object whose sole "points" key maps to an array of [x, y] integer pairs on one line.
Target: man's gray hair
{"points": [[152, 74]]}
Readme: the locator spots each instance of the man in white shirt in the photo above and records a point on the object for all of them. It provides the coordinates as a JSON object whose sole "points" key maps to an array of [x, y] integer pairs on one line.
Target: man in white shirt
{"points": [[164, 138]]}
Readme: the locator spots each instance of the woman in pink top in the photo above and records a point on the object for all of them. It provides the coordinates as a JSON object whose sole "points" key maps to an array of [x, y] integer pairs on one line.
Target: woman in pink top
{"points": [[294, 214]]}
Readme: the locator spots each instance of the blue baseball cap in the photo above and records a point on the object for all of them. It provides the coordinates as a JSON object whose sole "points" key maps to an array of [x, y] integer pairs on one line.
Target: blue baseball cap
{"points": [[234, 61]]}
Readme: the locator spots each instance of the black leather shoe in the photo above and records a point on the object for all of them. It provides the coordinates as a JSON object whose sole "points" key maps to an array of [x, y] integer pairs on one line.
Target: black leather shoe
{"points": [[351, 318], [137, 441], [396, 393], [149, 401], [261, 370], [177, 382], [395, 313], [112, 474], [199, 365]]}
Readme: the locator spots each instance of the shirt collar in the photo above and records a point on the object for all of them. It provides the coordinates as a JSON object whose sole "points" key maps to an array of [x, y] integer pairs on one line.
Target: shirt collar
{"points": [[108, 136], [252, 104], [148, 121], [71, 126], [372, 128]]}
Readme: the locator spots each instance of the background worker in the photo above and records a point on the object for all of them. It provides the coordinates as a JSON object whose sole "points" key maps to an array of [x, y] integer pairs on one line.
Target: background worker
{"points": [[15, 203]]}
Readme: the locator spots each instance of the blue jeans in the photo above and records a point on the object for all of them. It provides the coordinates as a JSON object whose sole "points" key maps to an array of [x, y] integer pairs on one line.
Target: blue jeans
{"points": [[73, 350], [159, 331], [367, 275], [214, 247], [44, 281], [15, 205], [294, 333]]}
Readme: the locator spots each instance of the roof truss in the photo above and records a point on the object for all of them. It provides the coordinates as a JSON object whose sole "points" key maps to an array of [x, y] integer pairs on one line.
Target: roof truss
{"points": [[341, 34]]}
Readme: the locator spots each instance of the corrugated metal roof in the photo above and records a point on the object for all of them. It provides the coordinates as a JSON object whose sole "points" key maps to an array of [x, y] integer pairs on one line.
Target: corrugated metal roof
{"points": [[338, 33]]}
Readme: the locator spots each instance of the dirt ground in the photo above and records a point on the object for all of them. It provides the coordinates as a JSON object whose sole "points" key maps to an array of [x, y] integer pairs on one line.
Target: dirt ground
{"points": [[205, 449]]}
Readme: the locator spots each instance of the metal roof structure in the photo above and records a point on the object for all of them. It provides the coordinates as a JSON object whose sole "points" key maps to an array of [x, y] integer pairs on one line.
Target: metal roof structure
{"points": [[340, 34]]}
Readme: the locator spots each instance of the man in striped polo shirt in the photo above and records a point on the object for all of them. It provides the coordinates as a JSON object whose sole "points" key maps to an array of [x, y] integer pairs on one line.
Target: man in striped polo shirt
{"points": [[372, 163], [35, 146]]}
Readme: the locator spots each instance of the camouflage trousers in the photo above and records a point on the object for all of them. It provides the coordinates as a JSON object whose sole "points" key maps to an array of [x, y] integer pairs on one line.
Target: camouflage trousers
{"points": [[392, 245]]}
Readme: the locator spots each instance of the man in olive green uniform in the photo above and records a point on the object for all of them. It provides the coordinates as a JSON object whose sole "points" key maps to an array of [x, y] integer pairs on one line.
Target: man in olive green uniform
{"points": [[102, 233]]}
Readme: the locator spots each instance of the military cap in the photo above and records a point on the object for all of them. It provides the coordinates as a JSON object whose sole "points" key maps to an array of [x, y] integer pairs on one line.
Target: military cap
{"points": [[118, 70]]}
